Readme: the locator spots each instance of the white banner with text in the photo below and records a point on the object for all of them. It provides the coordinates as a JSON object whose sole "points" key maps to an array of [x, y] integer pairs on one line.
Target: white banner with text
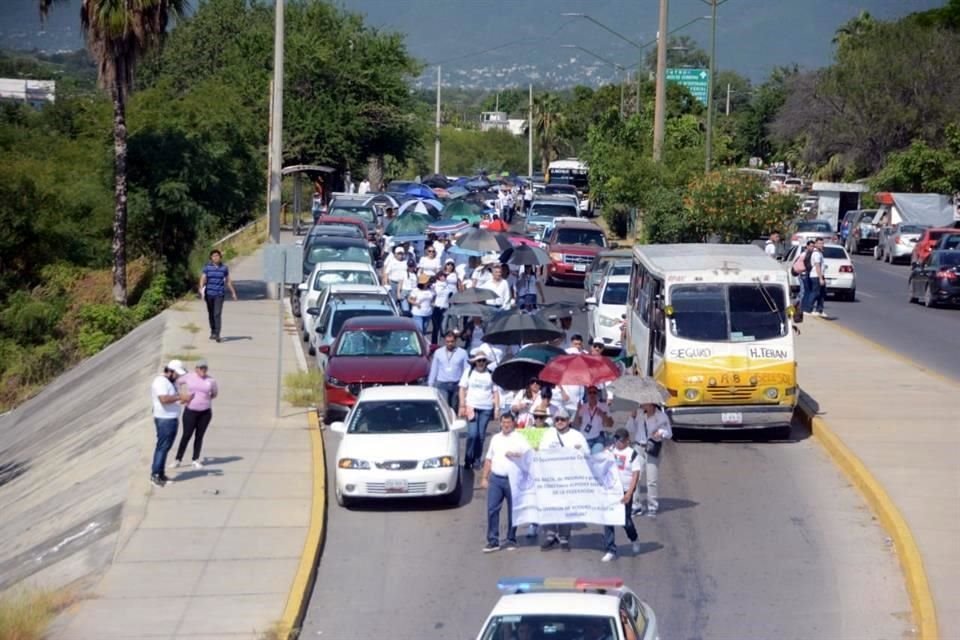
{"points": [[566, 486]]}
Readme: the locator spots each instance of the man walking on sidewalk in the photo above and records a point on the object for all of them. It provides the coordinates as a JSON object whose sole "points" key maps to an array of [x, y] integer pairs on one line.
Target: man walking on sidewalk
{"points": [[214, 282], [447, 368], [166, 416]]}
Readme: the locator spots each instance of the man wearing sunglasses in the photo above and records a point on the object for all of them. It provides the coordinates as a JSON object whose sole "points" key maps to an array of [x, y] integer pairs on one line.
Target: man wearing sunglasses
{"points": [[561, 435]]}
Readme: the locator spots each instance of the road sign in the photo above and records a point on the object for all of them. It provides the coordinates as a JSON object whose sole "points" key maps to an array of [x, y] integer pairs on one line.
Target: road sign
{"points": [[697, 81], [283, 263]]}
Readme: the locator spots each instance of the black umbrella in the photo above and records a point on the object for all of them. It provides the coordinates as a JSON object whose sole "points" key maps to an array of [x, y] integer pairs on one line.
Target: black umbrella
{"points": [[470, 309], [525, 255], [559, 309], [519, 328], [472, 294], [514, 373], [483, 241], [436, 180]]}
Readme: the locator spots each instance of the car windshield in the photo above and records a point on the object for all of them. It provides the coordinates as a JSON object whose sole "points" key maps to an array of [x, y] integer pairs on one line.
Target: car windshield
{"points": [[728, 313], [814, 226], [580, 236], [362, 213], [325, 278], [621, 269], [332, 229], [550, 627], [834, 253], [379, 342], [337, 254], [950, 242], [342, 315], [615, 293], [567, 189], [397, 416], [552, 210], [949, 259]]}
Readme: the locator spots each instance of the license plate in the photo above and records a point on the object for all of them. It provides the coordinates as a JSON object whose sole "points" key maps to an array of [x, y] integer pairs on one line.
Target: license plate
{"points": [[395, 486], [581, 268], [731, 417]]}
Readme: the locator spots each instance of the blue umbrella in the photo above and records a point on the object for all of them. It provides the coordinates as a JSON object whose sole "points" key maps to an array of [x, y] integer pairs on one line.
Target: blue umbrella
{"points": [[478, 183], [420, 191], [430, 207]]}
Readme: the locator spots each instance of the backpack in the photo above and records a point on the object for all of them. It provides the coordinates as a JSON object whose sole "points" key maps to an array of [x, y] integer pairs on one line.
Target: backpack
{"points": [[800, 264]]}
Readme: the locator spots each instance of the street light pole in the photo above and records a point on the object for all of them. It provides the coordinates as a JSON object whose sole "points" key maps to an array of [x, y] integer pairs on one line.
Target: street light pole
{"points": [[436, 139], [530, 135], [660, 103], [276, 127]]}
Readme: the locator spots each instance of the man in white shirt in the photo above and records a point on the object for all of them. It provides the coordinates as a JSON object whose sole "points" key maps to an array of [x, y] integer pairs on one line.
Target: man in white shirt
{"points": [[504, 448], [629, 464], [500, 287], [166, 417], [770, 248], [364, 187], [561, 435], [394, 271]]}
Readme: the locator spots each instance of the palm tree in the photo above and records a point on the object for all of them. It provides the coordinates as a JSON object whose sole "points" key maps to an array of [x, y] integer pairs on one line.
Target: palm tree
{"points": [[118, 34], [547, 119]]}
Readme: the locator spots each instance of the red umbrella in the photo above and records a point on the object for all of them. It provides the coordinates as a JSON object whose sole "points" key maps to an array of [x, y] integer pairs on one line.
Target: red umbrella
{"points": [[580, 369]]}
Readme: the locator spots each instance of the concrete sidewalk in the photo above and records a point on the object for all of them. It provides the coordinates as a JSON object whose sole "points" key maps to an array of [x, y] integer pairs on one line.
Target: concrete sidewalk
{"points": [[215, 553], [900, 421]]}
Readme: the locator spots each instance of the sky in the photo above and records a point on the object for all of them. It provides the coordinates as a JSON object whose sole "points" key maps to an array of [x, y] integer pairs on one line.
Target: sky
{"points": [[753, 36]]}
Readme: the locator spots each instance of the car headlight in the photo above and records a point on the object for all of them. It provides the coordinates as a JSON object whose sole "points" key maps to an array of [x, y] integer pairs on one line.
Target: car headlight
{"points": [[691, 394], [772, 393], [437, 463], [556, 257], [334, 382], [607, 321], [352, 463]]}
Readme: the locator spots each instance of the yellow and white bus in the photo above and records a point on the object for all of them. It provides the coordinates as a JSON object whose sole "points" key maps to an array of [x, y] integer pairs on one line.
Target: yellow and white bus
{"points": [[712, 323]]}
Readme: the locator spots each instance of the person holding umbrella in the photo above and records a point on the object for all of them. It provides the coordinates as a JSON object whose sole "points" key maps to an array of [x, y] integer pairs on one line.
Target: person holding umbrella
{"points": [[528, 287], [444, 288], [479, 402], [500, 287]]}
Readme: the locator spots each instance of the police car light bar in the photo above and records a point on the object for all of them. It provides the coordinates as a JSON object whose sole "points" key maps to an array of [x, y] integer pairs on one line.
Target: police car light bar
{"points": [[524, 584]]}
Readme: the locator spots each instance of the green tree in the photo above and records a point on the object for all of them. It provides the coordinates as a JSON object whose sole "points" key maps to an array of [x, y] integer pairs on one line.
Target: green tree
{"points": [[855, 30], [548, 120], [922, 168], [682, 51], [510, 101], [118, 35]]}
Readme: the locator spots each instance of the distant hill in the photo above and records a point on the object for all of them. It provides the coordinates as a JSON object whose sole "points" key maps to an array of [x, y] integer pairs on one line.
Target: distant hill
{"points": [[499, 43]]}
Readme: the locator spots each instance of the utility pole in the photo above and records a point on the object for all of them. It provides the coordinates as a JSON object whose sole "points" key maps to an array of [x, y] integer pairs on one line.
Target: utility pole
{"points": [[530, 135], [436, 139], [276, 135], [660, 104], [623, 82], [728, 100], [713, 69]]}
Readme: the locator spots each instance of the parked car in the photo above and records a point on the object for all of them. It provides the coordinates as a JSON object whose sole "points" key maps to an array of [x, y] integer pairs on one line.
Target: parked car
{"points": [[936, 280], [398, 442], [606, 311], [353, 211], [928, 241], [339, 303], [569, 609], [597, 268], [863, 232], [544, 209], [809, 205], [323, 248], [896, 243], [572, 246], [838, 269], [339, 217], [326, 274], [372, 352], [812, 230], [948, 242]]}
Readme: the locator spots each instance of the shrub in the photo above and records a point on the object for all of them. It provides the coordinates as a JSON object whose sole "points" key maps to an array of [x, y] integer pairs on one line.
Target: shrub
{"points": [[154, 299], [101, 324], [617, 217], [29, 320], [735, 207], [665, 219]]}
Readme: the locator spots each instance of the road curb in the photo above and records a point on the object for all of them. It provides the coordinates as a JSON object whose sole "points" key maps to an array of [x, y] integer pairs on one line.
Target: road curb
{"points": [[293, 613], [911, 562]]}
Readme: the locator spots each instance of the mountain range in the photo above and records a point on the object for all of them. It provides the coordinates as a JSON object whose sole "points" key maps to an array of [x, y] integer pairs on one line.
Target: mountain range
{"points": [[495, 44]]}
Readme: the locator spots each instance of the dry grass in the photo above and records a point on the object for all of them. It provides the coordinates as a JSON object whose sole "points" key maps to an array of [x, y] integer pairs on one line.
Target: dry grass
{"points": [[25, 615], [191, 327], [245, 242], [303, 389], [185, 357]]}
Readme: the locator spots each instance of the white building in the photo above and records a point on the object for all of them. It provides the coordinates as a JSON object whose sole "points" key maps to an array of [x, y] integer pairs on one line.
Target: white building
{"points": [[492, 120], [34, 92]]}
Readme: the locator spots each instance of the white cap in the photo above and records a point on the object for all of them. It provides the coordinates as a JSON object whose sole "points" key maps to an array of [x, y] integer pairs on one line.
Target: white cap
{"points": [[490, 259], [177, 367]]}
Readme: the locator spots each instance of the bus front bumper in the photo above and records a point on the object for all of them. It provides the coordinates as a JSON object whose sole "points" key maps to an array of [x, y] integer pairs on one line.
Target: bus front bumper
{"points": [[731, 416]]}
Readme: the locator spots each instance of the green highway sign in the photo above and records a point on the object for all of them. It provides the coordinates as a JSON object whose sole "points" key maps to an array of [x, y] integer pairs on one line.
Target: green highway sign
{"points": [[697, 81]]}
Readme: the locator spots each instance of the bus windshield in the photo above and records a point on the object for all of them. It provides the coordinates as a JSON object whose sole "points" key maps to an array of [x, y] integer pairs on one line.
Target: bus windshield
{"points": [[574, 177], [728, 312]]}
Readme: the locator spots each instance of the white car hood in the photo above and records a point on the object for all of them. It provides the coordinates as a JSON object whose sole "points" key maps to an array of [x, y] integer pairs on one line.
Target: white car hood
{"points": [[400, 446]]}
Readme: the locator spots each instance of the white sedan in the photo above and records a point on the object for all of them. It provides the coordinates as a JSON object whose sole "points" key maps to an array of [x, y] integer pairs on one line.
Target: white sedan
{"points": [[399, 442], [838, 269], [325, 274], [605, 311], [537, 608]]}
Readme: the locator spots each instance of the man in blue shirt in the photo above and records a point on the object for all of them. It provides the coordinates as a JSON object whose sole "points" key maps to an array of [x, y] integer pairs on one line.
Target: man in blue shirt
{"points": [[214, 282], [447, 368]]}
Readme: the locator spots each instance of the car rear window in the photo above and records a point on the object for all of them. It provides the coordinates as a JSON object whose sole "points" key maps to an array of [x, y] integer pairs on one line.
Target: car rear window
{"points": [[342, 315], [580, 236], [835, 253], [814, 227], [553, 210]]}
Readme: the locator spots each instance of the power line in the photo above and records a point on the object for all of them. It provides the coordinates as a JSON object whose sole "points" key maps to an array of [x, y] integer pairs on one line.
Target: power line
{"points": [[505, 45]]}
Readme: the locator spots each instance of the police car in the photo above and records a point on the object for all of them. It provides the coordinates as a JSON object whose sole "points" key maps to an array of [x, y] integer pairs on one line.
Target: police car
{"points": [[568, 609]]}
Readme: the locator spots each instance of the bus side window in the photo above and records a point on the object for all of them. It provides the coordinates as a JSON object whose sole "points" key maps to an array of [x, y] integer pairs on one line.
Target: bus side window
{"points": [[658, 319], [647, 297]]}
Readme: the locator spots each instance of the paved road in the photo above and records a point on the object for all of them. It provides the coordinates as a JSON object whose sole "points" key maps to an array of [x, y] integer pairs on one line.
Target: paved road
{"points": [[753, 540], [882, 313]]}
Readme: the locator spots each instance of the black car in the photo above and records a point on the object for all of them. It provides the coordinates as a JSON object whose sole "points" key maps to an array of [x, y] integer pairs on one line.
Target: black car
{"points": [[937, 280]]}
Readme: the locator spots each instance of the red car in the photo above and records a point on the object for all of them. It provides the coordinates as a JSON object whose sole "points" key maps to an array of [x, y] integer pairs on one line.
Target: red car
{"points": [[371, 351], [572, 245], [928, 241]]}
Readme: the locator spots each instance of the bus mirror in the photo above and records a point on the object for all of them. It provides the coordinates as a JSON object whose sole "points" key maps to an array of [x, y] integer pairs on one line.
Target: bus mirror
{"points": [[668, 311]]}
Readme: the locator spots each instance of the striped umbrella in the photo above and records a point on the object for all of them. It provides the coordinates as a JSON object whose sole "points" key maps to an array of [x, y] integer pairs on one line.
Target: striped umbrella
{"points": [[448, 227], [431, 208]]}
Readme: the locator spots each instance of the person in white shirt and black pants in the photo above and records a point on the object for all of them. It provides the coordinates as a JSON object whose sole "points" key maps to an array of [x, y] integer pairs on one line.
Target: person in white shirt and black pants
{"points": [[629, 465], [652, 429], [561, 436], [504, 448]]}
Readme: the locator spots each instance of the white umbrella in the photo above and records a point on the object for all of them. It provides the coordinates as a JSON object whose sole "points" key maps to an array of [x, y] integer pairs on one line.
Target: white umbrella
{"points": [[431, 208]]}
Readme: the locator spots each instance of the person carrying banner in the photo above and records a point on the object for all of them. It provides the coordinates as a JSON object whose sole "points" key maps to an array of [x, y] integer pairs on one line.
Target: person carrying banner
{"points": [[629, 464], [561, 435], [504, 448]]}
